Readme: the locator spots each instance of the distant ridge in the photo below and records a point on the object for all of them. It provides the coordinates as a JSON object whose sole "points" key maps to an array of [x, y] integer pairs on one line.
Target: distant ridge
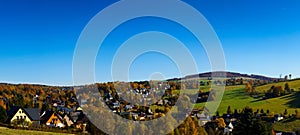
{"points": [[228, 75], [201, 75]]}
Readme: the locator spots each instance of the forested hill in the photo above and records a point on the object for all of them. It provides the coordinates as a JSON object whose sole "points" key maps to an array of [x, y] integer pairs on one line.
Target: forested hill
{"points": [[32, 95], [229, 75]]}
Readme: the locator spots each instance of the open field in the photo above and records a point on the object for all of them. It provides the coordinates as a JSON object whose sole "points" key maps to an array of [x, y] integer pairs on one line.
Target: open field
{"points": [[235, 97], [294, 84], [7, 131]]}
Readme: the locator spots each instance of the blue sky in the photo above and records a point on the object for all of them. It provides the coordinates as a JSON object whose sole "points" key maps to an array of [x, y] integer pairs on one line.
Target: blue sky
{"points": [[38, 38]]}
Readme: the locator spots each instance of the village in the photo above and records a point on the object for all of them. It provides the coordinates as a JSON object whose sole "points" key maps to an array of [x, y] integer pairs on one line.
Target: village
{"points": [[51, 111]]}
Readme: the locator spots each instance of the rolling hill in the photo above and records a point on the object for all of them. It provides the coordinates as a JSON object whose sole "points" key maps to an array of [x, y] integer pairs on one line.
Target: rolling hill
{"points": [[228, 75], [235, 97]]}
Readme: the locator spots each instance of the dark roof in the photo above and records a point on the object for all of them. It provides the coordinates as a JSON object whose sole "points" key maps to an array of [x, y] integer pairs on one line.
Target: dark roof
{"points": [[33, 113], [64, 109], [82, 119], [46, 116], [13, 110], [75, 116]]}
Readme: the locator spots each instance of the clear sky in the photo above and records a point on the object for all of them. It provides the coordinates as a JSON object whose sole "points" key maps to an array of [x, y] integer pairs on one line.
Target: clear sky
{"points": [[38, 38]]}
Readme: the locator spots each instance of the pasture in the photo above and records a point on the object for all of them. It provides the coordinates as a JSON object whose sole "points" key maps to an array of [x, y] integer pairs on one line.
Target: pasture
{"points": [[235, 97], [8, 131]]}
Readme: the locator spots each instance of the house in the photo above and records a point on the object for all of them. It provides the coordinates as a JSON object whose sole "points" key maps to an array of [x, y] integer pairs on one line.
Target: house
{"points": [[17, 114], [68, 120], [52, 119], [64, 109], [116, 105], [79, 108], [228, 129], [82, 122], [34, 116], [229, 118], [195, 112], [203, 119], [141, 116], [278, 117], [75, 116], [149, 111], [160, 103], [128, 107]]}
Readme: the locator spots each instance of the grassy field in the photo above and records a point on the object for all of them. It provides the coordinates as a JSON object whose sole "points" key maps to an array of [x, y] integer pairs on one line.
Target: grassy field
{"points": [[7, 131], [294, 84], [235, 97]]}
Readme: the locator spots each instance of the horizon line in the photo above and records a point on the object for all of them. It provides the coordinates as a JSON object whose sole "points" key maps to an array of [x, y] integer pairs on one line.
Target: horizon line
{"points": [[72, 85]]}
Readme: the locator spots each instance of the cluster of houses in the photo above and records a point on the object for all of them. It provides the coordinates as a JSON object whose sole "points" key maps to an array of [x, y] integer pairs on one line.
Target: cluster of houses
{"points": [[231, 120], [35, 117], [129, 110], [64, 117]]}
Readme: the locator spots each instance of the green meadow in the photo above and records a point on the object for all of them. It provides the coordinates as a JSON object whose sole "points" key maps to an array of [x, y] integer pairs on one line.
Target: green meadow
{"points": [[236, 98], [8, 131]]}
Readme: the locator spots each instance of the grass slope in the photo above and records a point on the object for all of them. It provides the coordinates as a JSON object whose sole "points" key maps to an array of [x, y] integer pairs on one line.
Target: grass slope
{"points": [[235, 97], [7, 131], [294, 84]]}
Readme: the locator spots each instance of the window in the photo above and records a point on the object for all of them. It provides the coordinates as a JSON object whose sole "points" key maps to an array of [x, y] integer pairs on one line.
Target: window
{"points": [[21, 117], [25, 117], [17, 117]]}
